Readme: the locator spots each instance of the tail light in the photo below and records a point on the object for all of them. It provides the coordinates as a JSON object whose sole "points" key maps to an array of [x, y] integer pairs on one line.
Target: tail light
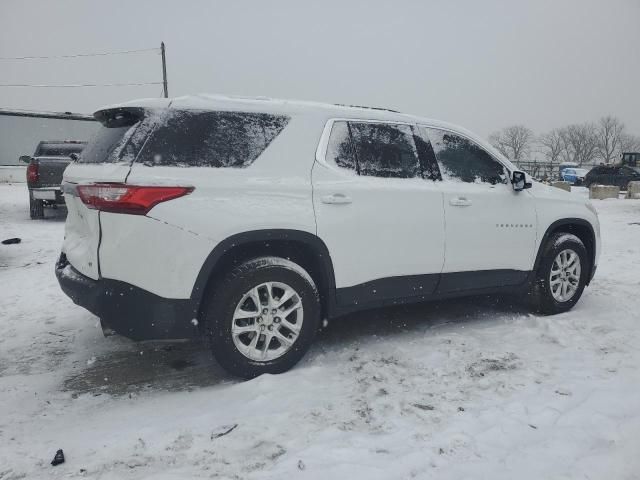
{"points": [[33, 175], [131, 199]]}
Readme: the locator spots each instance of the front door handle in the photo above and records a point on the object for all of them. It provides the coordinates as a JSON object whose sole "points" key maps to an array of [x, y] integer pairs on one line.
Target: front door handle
{"points": [[460, 202], [336, 199]]}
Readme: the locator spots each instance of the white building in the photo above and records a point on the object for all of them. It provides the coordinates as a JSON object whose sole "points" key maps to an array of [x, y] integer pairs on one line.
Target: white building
{"points": [[22, 130]]}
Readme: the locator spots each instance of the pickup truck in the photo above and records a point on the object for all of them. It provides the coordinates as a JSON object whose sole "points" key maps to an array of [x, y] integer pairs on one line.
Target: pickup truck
{"points": [[44, 173]]}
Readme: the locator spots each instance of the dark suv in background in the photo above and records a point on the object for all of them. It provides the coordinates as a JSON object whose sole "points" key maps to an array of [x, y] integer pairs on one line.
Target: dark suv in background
{"points": [[616, 175]]}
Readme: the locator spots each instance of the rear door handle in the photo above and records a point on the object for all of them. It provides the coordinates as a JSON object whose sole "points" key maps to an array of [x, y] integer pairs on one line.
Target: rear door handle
{"points": [[336, 199], [460, 202]]}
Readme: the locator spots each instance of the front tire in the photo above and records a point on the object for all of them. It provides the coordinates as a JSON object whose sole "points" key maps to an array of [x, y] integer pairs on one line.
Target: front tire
{"points": [[561, 276], [262, 317]]}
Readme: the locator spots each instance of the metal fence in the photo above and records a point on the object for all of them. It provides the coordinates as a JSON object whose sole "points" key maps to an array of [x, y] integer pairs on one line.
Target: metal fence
{"points": [[547, 170]]}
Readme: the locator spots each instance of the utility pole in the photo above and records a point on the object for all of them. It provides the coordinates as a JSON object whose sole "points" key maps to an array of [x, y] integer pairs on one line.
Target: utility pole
{"points": [[164, 71]]}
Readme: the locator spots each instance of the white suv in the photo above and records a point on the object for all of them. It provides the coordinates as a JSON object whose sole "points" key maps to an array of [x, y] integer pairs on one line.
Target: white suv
{"points": [[251, 220]]}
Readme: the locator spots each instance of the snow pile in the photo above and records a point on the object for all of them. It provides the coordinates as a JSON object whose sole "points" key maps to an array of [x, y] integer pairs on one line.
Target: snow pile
{"points": [[456, 390]]}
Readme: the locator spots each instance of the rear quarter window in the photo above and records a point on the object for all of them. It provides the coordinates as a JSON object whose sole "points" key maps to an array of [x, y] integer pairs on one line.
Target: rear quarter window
{"points": [[211, 139]]}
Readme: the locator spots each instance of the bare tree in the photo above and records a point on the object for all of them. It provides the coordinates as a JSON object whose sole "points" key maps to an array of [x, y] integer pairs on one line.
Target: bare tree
{"points": [[553, 144], [629, 143], [581, 143], [496, 140], [514, 142], [608, 134]]}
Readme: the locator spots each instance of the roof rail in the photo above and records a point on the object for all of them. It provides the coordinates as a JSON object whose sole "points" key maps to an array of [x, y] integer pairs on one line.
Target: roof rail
{"points": [[368, 108]]}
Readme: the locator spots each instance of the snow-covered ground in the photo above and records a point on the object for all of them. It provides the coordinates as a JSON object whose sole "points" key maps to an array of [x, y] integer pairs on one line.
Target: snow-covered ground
{"points": [[457, 390]]}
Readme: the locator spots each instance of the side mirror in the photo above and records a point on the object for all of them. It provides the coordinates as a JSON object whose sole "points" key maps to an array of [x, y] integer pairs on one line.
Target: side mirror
{"points": [[519, 180], [25, 158], [74, 156]]}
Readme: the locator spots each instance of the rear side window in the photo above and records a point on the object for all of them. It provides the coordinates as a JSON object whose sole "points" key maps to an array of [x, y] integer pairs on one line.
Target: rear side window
{"points": [[462, 160], [211, 139], [385, 150]]}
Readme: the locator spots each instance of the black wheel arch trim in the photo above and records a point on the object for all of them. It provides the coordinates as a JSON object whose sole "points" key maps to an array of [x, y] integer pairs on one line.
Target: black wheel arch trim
{"points": [[268, 235], [565, 222], [329, 294]]}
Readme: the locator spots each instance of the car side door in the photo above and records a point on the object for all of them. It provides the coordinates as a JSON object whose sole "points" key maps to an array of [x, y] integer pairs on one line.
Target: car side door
{"points": [[490, 231], [378, 211]]}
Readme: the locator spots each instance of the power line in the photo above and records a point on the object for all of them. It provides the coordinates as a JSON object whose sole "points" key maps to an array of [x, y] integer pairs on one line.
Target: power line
{"points": [[77, 85], [99, 54]]}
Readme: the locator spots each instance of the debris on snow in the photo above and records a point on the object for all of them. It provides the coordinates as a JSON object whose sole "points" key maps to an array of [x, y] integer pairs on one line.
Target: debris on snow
{"points": [[486, 365], [223, 430], [58, 459], [11, 241]]}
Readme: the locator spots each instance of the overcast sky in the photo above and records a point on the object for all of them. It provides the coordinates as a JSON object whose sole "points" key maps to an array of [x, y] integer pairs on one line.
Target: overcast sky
{"points": [[481, 64]]}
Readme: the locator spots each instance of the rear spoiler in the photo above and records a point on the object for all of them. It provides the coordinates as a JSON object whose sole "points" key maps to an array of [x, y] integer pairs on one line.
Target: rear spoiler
{"points": [[119, 116]]}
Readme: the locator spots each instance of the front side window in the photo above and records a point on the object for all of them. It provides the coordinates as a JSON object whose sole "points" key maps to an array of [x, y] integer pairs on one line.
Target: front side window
{"points": [[385, 150], [462, 160], [191, 138]]}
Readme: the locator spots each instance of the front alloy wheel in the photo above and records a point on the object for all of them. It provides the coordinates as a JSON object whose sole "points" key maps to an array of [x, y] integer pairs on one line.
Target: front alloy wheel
{"points": [[561, 274], [564, 278]]}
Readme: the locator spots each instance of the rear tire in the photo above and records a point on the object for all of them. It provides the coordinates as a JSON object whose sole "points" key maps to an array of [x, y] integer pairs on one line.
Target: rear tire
{"points": [[561, 276], [281, 331], [36, 208]]}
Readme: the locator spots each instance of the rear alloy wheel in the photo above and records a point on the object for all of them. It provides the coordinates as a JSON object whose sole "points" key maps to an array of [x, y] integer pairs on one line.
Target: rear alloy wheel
{"points": [[262, 317], [267, 321], [561, 275]]}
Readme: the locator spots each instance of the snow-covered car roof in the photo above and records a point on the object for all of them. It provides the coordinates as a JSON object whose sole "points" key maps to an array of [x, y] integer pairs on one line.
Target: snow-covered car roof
{"points": [[298, 107]]}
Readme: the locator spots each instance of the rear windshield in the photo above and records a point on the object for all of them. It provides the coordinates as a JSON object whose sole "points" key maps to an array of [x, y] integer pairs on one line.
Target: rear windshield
{"points": [[185, 138], [58, 149], [194, 138]]}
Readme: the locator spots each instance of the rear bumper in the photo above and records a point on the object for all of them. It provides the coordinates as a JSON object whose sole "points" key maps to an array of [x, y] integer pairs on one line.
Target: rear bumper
{"points": [[126, 309]]}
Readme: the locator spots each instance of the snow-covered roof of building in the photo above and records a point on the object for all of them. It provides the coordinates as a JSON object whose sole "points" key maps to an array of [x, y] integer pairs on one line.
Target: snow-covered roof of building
{"points": [[16, 112]]}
